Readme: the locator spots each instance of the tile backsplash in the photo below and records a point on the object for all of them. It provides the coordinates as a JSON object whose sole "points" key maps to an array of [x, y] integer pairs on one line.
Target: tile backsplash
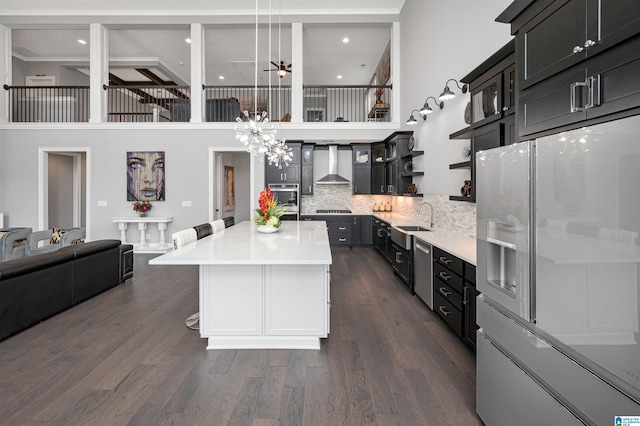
{"points": [[453, 216]]}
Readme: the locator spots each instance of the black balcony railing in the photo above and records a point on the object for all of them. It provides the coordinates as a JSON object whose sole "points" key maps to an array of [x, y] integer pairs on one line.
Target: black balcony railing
{"points": [[226, 103], [149, 103], [61, 104], [146, 103], [346, 103]]}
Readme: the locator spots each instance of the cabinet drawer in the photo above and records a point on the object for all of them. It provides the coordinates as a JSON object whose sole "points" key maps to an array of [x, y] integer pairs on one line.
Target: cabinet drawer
{"points": [[340, 239], [448, 313], [448, 293], [446, 276], [449, 261], [339, 227], [470, 273]]}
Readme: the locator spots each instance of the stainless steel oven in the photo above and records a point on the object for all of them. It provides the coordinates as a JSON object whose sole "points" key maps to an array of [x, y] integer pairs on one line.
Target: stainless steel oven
{"points": [[287, 194]]}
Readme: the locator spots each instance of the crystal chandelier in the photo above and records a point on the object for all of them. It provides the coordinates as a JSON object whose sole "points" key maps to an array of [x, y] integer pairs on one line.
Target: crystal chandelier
{"points": [[258, 134]]}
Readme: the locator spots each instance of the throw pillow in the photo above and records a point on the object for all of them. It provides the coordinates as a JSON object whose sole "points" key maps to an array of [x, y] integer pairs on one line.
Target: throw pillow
{"points": [[56, 235]]}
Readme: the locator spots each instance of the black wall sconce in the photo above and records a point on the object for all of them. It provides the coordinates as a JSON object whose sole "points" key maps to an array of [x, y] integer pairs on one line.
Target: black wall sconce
{"points": [[426, 109], [448, 94], [412, 120]]}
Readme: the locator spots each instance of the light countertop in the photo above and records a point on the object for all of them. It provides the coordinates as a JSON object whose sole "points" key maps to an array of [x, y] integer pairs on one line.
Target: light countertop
{"points": [[295, 243], [459, 245]]}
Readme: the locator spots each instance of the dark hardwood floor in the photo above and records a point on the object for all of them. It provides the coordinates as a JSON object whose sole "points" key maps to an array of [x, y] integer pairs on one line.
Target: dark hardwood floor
{"points": [[125, 357]]}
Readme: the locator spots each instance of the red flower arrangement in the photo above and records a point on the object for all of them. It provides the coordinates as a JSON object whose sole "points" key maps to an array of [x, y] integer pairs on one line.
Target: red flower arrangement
{"points": [[142, 207], [270, 211]]}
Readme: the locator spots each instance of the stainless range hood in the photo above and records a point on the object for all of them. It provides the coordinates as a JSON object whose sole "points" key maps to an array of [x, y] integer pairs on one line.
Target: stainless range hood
{"points": [[333, 178]]}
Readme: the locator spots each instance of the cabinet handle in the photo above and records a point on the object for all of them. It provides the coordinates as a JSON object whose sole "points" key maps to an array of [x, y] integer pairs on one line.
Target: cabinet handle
{"points": [[342, 228], [379, 233], [505, 108], [578, 49], [465, 296], [594, 92], [444, 311], [342, 240], [574, 86], [307, 218], [444, 292], [310, 188], [355, 189], [589, 43], [355, 222], [382, 188], [445, 260], [285, 176], [444, 276], [398, 260]]}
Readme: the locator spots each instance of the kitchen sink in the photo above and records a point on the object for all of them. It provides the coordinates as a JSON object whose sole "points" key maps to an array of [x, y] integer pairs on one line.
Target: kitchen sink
{"points": [[411, 228], [400, 235]]}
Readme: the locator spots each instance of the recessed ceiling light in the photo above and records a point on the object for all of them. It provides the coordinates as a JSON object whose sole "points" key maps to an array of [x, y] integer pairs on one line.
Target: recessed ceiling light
{"points": [[81, 41], [345, 40], [339, 77], [221, 77], [188, 40]]}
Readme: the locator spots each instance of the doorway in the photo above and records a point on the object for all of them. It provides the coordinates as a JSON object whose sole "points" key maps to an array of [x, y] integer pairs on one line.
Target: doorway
{"points": [[64, 188], [231, 183]]}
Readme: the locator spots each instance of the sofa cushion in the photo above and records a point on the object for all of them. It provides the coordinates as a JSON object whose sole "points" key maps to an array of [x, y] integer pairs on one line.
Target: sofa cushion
{"points": [[56, 235], [25, 265], [90, 248]]}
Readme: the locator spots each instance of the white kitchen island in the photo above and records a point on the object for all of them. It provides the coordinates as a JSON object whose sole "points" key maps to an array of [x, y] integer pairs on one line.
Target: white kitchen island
{"points": [[261, 291]]}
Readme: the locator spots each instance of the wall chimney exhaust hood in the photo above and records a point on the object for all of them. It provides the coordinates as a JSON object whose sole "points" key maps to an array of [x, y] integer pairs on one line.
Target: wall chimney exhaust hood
{"points": [[333, 178]]}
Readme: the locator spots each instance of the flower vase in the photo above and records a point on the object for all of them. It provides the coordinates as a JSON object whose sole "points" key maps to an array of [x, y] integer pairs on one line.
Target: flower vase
{"points": [[265, 229], [143, 215]]}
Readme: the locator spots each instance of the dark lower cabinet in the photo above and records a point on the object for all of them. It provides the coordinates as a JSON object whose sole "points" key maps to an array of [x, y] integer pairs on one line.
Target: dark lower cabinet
{"points": [[469, 294], [454, 294], [347, 230], [402, 263]]}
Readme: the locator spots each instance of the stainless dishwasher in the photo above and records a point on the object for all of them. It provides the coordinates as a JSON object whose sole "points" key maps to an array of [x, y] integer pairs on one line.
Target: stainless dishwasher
{"points": [[422, 273]]}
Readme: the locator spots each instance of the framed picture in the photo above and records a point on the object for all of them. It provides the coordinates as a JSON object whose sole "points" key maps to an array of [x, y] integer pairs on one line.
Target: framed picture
{"points": [[145, 176], [229, 194]]}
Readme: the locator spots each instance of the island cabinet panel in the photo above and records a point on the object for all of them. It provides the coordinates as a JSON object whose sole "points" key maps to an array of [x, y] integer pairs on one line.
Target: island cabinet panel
{"points": [[235, 295], [296, 306]]}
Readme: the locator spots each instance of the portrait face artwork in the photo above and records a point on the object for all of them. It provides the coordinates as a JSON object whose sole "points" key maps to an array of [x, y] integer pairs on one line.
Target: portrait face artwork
{"points": [[145, 176]]}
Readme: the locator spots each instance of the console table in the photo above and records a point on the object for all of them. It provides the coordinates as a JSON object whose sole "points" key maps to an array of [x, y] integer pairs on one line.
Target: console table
{"points": [[144, 246]]}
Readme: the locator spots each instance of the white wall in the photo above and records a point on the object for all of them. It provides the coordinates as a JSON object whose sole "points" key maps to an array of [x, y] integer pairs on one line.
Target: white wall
{"points": [[441, 40]]}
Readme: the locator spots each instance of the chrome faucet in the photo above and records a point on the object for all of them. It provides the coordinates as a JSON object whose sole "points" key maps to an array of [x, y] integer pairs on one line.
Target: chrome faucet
{"points": [[431, 222]]}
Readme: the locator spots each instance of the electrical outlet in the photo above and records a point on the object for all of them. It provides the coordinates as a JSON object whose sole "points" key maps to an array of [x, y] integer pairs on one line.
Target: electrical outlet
{"points": [[186, 204], [102, 203]]}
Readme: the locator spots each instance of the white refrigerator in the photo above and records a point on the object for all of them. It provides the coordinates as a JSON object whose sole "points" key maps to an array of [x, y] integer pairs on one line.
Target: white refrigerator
{"points": [[558, 268]]}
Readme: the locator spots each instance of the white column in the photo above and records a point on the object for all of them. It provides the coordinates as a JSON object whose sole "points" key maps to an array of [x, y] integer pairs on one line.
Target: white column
{"points": [[395, 72], [122, 226], [162, 226], [99, 73], [5, 72], [197, 72], [142, 227], [296, 73]]}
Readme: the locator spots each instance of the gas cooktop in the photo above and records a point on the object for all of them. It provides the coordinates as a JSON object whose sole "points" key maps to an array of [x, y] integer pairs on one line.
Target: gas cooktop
{"points": [[334, 211]]}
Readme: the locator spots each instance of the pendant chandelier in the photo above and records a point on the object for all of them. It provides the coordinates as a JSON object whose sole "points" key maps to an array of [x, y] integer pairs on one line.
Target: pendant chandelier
{"points": [[257, 132]]}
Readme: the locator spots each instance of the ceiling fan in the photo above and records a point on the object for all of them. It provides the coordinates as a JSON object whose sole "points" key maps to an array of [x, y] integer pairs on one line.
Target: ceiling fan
{"points": [[282, 69]]}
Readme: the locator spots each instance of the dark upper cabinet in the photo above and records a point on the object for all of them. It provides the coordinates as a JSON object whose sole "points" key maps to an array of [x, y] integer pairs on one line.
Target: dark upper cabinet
{"points": [[286, 174], [600, 86], [509, 87], [361, 160], [378, 182], [569, 31], [486, 101], [306, 179]]}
